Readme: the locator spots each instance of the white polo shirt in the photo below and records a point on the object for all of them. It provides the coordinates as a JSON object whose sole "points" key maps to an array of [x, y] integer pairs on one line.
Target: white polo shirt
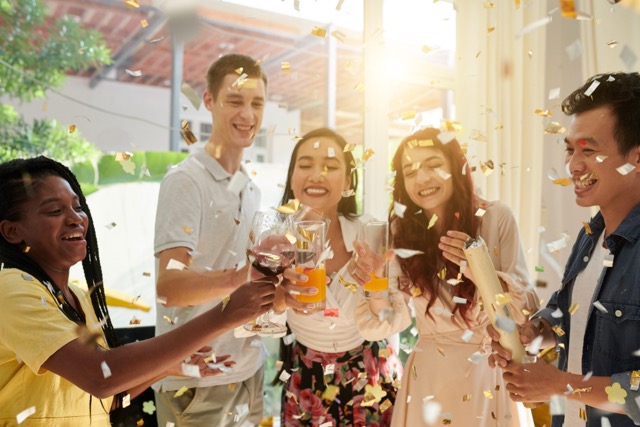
{"points": [[204, 208]]}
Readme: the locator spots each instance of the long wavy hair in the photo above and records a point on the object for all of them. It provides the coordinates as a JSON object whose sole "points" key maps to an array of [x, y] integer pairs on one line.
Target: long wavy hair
{"points": [[410, 231]]}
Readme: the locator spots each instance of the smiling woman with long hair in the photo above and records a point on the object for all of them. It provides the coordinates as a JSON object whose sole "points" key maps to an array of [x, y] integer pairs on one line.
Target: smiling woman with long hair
{"points": [[60, 362], [433, 182]]}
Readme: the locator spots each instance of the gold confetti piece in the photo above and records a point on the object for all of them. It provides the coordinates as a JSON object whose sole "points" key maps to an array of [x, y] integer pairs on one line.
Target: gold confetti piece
{"points": [[496, 252], [568, 9], [503, 299], [579, 391], [289, 208], [544, 113], [319, 32], [349, 148], [488, 394], [247, 83], [72, 128], [186, 133], [426, 49], [615, 393], [416, 292], [144, 23], [329, 394], [132, 4], [367, 154], [360, 87], [583, 414], [187, 229], [554, 128], [490, 30], [123, 155], [181, 391], [374, 393], [488, 5], [339, 35], [432, 221], [128, 166], [232, 386], [612, 43], [442, 274], [441, 351], [408, 115], [635, 380], [285, 67], [133, 73], [26, 249], [168, 320], [134, 321], [351, 286], [225, 301], [478, 54], [563, 181], [487, 167], [385, 405], [573, 308], [325, 171], [558, 330], [466, 397]]}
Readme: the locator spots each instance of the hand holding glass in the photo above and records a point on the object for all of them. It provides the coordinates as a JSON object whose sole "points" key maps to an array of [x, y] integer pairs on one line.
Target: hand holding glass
{"points": [[270, 253], [310, 253]]}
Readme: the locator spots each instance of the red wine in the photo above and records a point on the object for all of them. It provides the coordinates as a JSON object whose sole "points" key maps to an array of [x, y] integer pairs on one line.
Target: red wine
{"points": [[271, 264]]}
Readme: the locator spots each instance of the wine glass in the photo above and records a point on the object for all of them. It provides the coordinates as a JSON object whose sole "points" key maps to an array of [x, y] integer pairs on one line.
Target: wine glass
{"points": [[271, 253]]}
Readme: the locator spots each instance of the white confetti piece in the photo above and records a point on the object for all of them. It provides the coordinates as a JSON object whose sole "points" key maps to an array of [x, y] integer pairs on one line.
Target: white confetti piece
{"points": [[237, 182], [588, 376], [594, 85], [174, 264], [242, 409], [554, 93], [557, 404], [25, 414], [608, 260], [480, 212], [626, 169], [446, 137], [106, 372], [505, 324], [557, 314], [574, 50], [331, 152], [329, 369], [284, 376], [459, 300], [399, 209], [467, 335], [534, 345], [476, 357], [406, 253], [190, 370], [561, 243], [604, 422], [133, 73], [431, 411], [444, 175], [413, 331], [599, 306], [288, 339], [600, 158]]}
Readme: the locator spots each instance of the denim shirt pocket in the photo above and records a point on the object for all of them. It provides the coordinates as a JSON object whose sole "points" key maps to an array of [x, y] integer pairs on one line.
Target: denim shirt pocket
{"points": [[618, 334]]}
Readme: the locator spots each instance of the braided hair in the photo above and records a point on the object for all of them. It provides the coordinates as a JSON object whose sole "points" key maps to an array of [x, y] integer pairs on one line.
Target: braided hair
{"points": [[18, 179]]}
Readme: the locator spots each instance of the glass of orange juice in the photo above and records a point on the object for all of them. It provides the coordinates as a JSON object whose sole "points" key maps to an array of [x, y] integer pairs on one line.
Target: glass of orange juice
{"points": [[376, 235], [309, 258]]}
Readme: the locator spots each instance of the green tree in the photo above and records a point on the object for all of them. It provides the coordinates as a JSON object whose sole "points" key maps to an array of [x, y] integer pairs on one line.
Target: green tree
{"points": [[35, 54]]}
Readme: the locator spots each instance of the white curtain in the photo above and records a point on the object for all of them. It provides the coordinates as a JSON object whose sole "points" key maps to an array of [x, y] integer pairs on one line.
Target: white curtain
{"points": [[500, 83]]}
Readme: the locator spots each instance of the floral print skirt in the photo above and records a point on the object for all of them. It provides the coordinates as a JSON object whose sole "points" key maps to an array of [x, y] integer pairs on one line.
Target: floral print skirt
{"points": [[351, 388]]}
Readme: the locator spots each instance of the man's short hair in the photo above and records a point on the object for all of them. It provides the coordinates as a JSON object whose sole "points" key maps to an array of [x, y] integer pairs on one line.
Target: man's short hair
{"points": [[621, 93], [228, 64]]}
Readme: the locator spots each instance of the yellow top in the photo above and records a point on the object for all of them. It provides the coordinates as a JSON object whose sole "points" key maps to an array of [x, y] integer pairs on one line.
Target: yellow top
{"points": [[32, 328]]}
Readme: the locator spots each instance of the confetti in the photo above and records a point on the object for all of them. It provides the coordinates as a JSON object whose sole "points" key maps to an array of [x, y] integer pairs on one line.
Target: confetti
{"points": [[144, 23], [480, 212], [432, 221], [487, 167], [561, 243], [544, 113], [319, 32], [625, 169], [285, 67], [554, 93], [191, 95], [133, 73], [503, 299], [25, 414], [444, 175], [72, 128], [284, 376], [615, 393], [446, 137], [554, 128], [106, 372], [149, 407], [367, 154], [329, 394], [399, 209], [505, 324], [558, 330], [458, 300], [573, 308], [600, 307], [557, 404], [467, 335], [407, 253], [488, 394], [430, 410], [132, 4], [568, 9], [182, 391], [600, 158], [635, 381], [592, 87]]}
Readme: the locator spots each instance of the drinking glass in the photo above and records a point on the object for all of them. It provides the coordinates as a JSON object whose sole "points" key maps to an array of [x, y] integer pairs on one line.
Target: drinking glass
{"points": [[376, 235], [271, 253], [311, 252]]}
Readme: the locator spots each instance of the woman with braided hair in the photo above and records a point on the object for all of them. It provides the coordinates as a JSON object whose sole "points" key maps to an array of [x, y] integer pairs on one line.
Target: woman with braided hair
{"points": [[60, 363]]}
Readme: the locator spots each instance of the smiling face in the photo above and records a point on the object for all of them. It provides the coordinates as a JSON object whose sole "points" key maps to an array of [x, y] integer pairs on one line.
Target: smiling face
{"points": [[52, 225], [592, 159], [320, 174], [236, 112], [427, 179]]}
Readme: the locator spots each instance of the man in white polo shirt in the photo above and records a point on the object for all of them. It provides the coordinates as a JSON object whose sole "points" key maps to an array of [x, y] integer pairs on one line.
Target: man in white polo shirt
{"points": [[204, 213]]}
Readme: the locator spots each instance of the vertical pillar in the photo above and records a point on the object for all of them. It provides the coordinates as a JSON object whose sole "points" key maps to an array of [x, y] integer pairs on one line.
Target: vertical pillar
{"points": [[332, 70], [177, 57], [376, 107]]}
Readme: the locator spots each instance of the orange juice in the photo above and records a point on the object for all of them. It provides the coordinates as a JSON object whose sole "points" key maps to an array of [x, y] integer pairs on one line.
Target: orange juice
{"points": [[317, 279], [377, 284]]}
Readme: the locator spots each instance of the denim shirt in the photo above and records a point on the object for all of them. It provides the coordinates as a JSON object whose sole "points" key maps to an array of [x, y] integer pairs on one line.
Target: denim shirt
{"points": [[612, 335]]}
